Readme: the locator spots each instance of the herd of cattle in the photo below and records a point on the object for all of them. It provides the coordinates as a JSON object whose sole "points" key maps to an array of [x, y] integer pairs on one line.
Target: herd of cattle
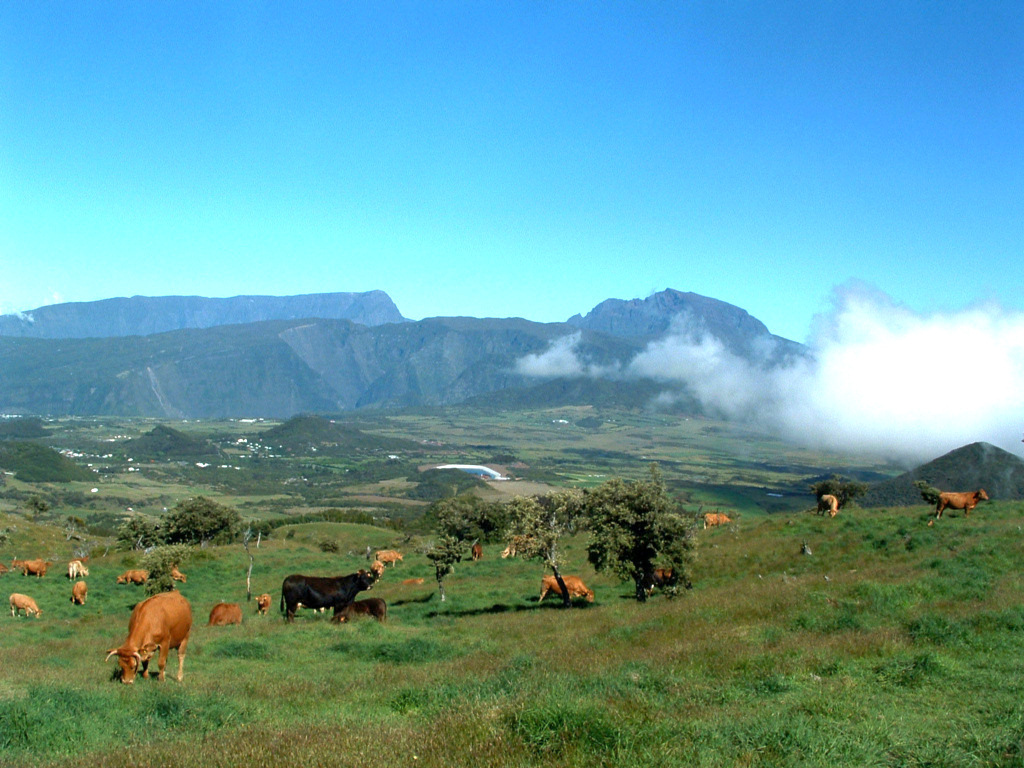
{"points": [[163, 622]]}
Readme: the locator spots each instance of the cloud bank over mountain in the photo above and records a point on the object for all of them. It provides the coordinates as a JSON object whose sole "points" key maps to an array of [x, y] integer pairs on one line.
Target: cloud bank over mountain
{"points": [[880, 378]]}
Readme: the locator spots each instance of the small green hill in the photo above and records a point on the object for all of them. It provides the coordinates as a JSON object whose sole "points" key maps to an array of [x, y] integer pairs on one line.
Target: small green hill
{"points": [[21, 429], [163, 442], [974, 466], [32, 463], [304, 432]]}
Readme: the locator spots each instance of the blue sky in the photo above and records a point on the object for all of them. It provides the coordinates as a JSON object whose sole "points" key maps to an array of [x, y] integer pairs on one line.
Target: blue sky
{"points": [[514, 158]]}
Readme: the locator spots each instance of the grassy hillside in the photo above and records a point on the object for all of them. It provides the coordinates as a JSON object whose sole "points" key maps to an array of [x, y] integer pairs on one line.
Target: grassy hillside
{"points": [[892, 643]]}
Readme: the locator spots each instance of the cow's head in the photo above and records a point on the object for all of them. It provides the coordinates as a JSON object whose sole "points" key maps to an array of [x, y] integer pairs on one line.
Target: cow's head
{"points": [[982, 496], [130, 661], [365, 580]]}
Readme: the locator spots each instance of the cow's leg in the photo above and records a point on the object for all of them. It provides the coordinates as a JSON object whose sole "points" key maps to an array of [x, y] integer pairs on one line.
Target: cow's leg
{"points": [[181, 659], [543, 594], [162, 661]]}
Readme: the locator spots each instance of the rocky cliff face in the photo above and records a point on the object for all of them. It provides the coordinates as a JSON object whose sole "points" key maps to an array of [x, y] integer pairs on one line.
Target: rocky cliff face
{"points": [[145, 315]]}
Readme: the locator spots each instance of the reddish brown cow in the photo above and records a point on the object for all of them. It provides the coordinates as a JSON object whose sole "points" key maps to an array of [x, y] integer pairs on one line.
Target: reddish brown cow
{"points": [[574, 584], [37, 567], [371, 606], [79, 592], [24, 603], [263, 604], [388, 556], [162, 622], [223, 614], [177, 575], [711, 519], [133, 577], [964, 501], [477, 551]]}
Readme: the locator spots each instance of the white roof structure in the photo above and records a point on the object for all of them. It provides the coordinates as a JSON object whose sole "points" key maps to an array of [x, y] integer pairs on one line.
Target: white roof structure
{"points": [[475, 469]]}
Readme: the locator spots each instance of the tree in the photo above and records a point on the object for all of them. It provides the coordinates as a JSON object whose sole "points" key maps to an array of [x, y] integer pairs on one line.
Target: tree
{"points": [[843, 489], [199, 520], [635, 526], [929, 493], [444, 553], [138, 532], [541, 524], [159, 562]]}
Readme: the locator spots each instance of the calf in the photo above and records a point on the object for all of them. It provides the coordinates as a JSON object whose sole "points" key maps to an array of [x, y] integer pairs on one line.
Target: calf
{"points": [[78, 593], [223, 614], [24, 603], [964, 501], [574, 584], [371, 606], [263, 604]]}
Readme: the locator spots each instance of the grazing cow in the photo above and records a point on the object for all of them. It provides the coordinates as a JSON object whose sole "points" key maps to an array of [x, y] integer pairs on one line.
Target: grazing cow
{"points": [[24, 603], [388, 556], [133, 577], [162, 621], [37, 567], [177, 575], [3, 569], [263, 604], [477, 551], [322, 591], [77, 569], [964, 501], [371, 606], [17, 565], [574, 584], [223, 614], [377, 569], [711, 519], [517, 543], [661, 578], [78, 593], [828, 503], [412, 582]]}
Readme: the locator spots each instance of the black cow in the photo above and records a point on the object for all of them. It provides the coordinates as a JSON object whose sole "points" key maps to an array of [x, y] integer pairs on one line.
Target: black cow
{"points": [[322, 591]]}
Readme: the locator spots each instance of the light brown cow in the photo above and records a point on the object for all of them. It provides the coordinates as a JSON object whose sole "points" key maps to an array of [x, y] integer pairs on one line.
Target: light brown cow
{"points": [[37, 567], [371, 606], [225, 613], [162, 622], [711, 519], [377, 569], [477, 551], [828, 503], [77, 569], [177, 575], [388, 556], [517, 543], [133, 577], [412, 582], [79, 592], [24, 603], [964, 501], [263, 604], [574, 584]]}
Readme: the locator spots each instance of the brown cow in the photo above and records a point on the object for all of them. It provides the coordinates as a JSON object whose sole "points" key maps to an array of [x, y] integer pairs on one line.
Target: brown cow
{"points": [[371, 606], [828, 503], [662, 578], [412, 582], [133, 577], [177, 575], [24, 603], [711, 519], [76, 569], [78, 593], [388, 556], [3, 569], [263, 604], [574, 584], [37, 567], [964, 501], [223, 614], [377, 569], [477, 551], [162, 621]]}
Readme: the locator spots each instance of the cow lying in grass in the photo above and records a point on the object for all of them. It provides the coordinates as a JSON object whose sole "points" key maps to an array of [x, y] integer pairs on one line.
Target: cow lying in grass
{"points": [[371, 606]]}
